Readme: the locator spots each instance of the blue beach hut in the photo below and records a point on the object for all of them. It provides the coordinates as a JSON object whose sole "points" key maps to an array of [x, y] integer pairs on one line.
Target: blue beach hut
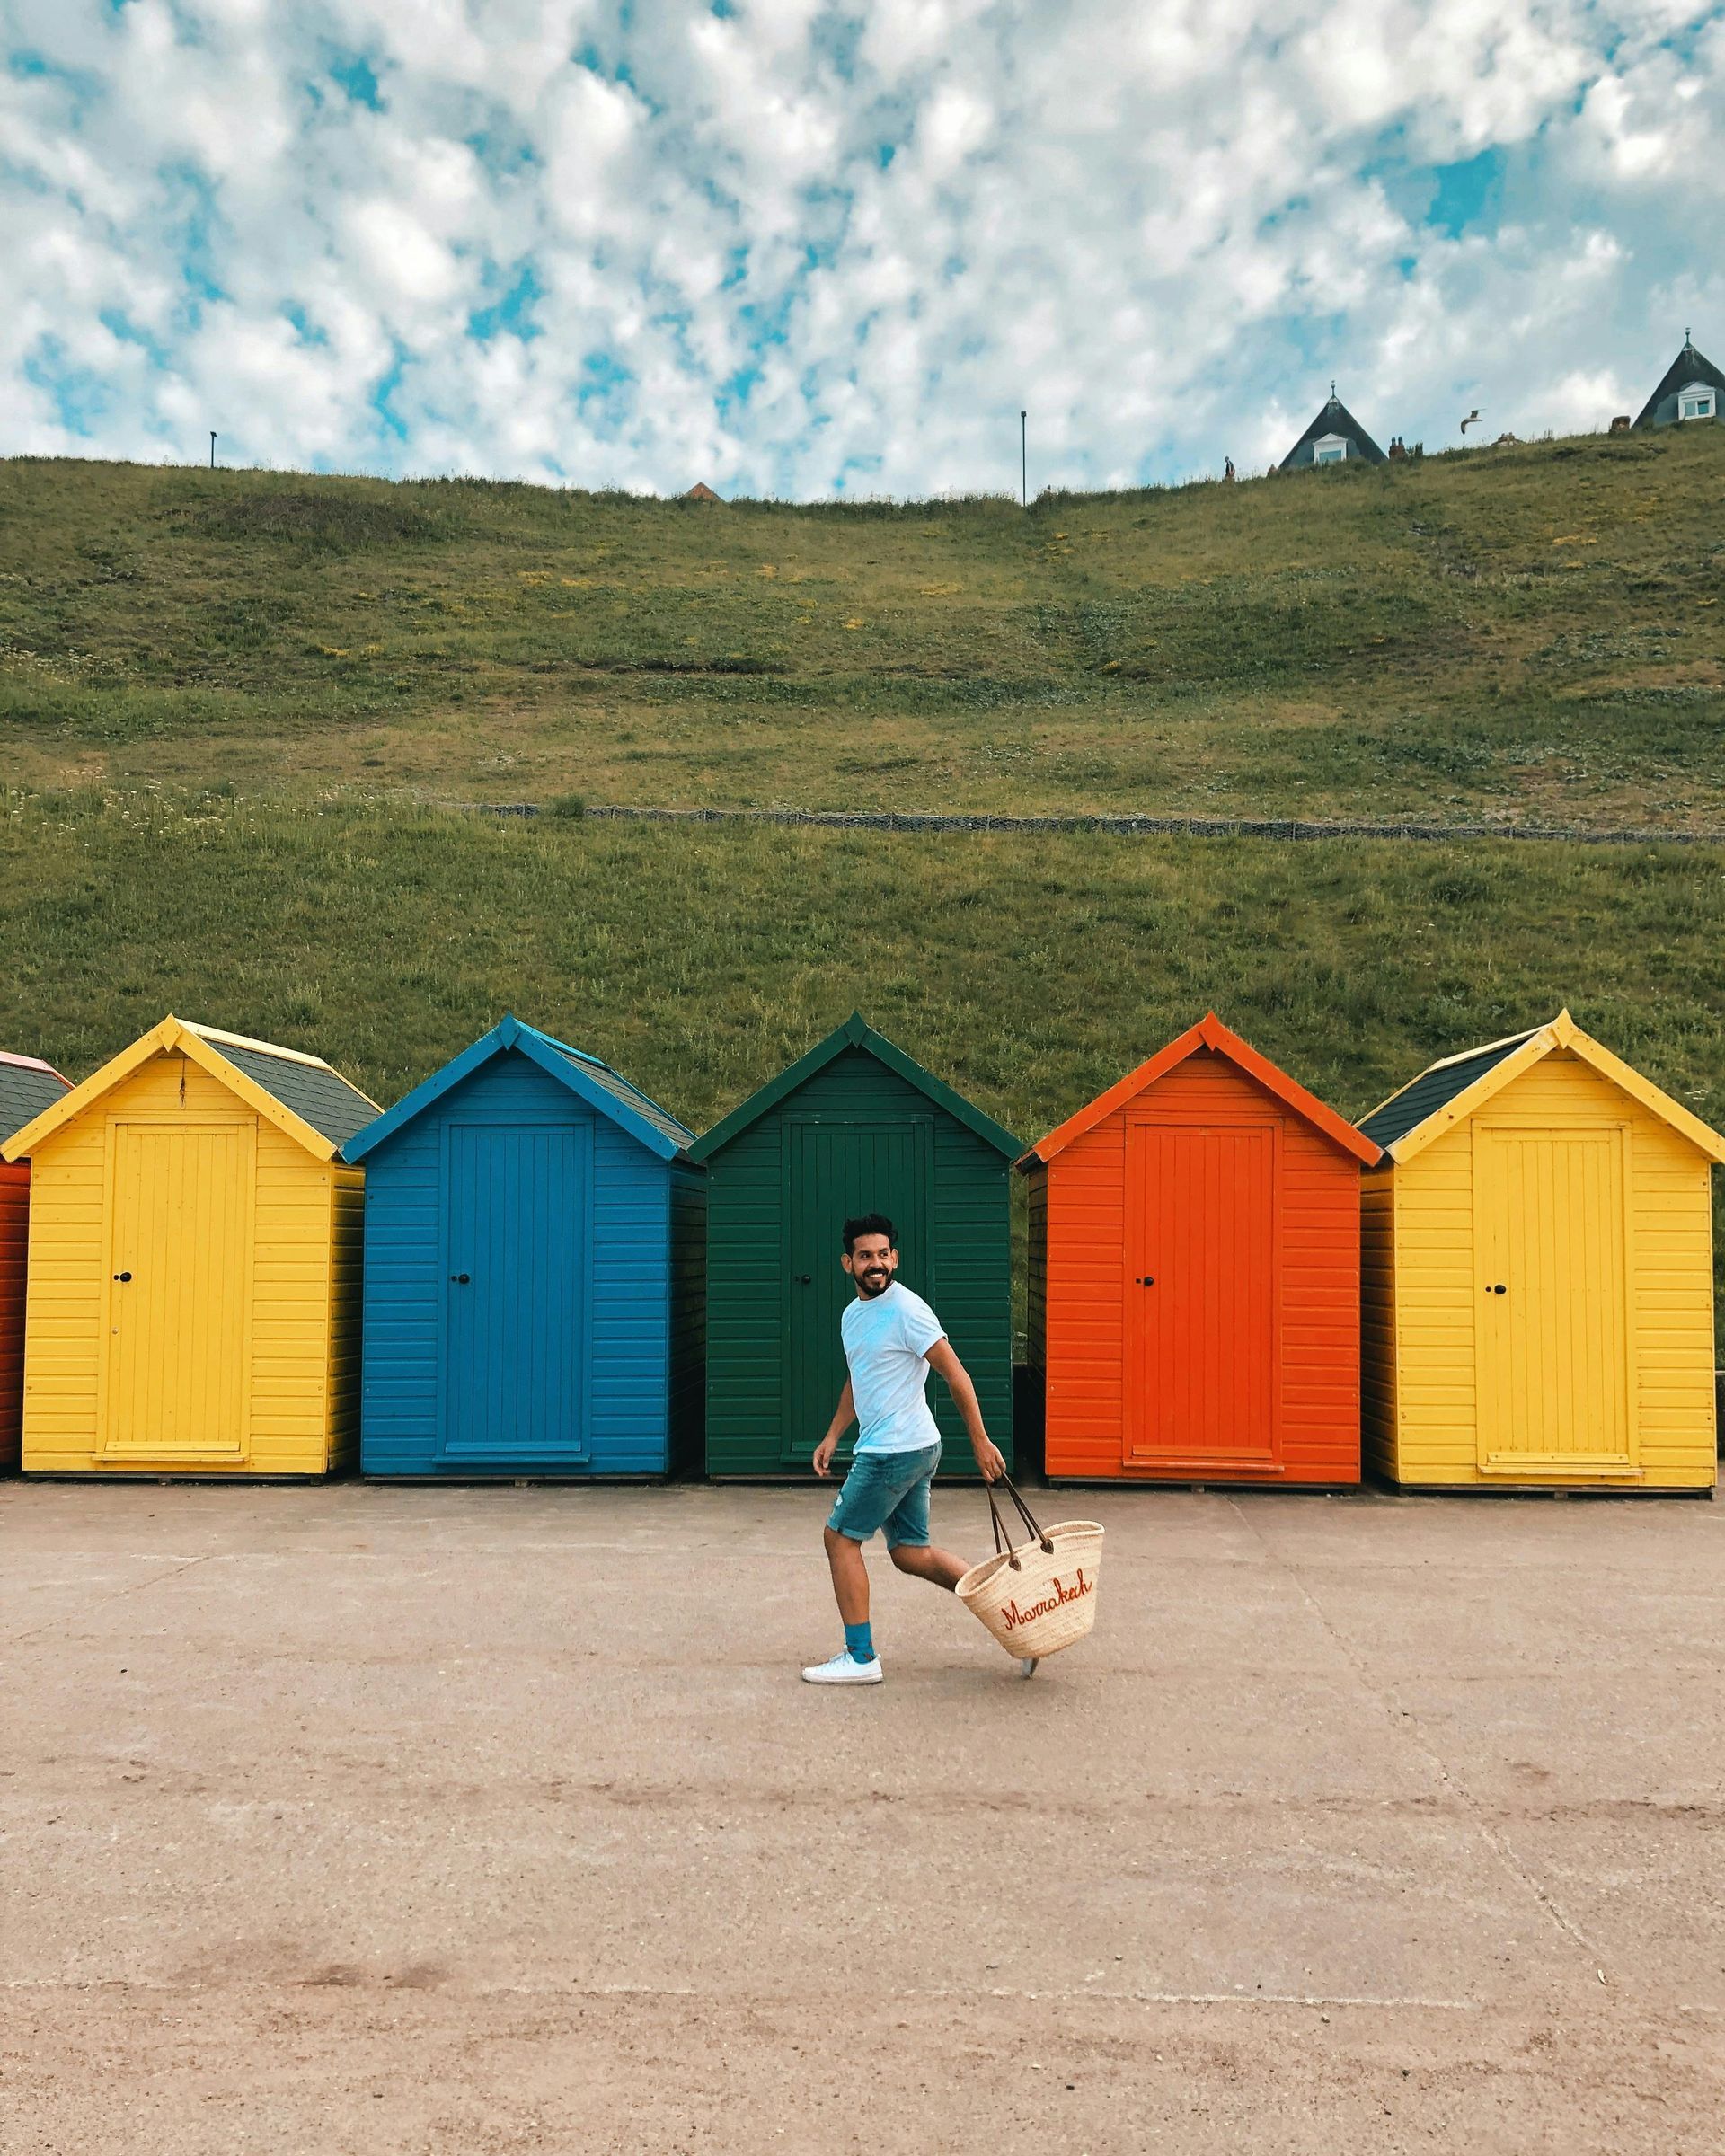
{"points": [[534, 1289]]}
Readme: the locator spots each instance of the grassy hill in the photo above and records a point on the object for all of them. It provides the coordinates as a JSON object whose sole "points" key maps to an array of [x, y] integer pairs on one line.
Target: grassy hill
{"points": [[1528, 632]]}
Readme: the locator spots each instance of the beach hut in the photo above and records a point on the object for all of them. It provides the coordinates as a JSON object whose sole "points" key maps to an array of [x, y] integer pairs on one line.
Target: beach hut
{"points": [[855, 1125], [1194, 1290], [1539, 1274], [193, 1297], [27, 1086], [534, 1237]]}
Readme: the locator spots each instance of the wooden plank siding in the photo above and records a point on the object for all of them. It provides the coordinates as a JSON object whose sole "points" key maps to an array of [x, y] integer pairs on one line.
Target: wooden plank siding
{"points": [[688, 1317], [1432, 1302], [347, 1290], [288, 1378], [1377, 1320], [634, 1247], [1035, 1286], [745, 1377], [14, 1245], [968, 1282], [1316, 1373]]}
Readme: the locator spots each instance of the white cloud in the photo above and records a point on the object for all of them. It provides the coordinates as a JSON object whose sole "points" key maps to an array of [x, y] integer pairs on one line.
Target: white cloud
{"points": [[790, 248]]}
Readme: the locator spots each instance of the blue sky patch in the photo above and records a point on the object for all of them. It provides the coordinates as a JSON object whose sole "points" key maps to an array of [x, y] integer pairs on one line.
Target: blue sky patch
{"points": [[355, 74], [1467, 197], [511, 313], [82, 400]]}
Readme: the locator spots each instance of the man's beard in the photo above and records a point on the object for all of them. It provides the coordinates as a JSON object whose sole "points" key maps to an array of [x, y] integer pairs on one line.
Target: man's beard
{"points": [[867, 1283]]}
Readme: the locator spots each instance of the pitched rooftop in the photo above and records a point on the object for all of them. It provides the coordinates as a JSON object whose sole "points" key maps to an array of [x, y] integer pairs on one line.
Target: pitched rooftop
{"points": [[1690, 371], [1335, 437]]}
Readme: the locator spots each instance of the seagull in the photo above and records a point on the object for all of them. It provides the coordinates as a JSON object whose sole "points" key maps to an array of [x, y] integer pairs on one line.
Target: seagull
{"points": [[1469, 420]]}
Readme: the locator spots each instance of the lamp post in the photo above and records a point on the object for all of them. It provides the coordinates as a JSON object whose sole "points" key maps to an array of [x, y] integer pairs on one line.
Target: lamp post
{"points": [[212, 448], [1023, 462]]}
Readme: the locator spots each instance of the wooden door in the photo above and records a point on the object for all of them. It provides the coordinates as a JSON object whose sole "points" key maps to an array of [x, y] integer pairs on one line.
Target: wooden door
{"points": [[1199, 1335], [516, 1293], [834, 1170], [1551, 1301], [179, 1291]]}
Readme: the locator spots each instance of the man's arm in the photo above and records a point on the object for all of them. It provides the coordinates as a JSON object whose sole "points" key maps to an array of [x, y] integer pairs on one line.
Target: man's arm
{"points": [[989, 1458], [844, 1416]]}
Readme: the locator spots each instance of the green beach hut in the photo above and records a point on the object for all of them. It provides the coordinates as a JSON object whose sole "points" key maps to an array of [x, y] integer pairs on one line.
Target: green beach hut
{"points": [[854, 1126]]}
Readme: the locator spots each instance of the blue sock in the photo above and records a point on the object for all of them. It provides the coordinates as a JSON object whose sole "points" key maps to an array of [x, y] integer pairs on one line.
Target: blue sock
{"points": [[859, 1641]]}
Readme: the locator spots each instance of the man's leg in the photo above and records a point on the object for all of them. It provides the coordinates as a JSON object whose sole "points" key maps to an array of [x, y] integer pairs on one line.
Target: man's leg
{"points": [[854, 1517], [940, 1568], [908, 1542], [849, 1576]]}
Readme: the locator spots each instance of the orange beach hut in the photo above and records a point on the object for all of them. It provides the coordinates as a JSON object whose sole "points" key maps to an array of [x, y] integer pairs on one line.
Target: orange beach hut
{"points": [[1194, 1275], [27, 1086]]}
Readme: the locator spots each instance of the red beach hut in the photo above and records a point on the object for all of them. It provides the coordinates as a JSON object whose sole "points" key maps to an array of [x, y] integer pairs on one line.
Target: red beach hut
{"points": [[1194, 1290], [27, 1086]]}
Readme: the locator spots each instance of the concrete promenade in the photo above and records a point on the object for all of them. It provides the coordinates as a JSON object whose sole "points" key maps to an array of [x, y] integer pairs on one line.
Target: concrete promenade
{"points": [[458, 1822]]}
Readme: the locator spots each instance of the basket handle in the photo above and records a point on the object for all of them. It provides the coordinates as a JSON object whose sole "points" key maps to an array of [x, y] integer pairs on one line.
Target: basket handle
{"points": [[1003, 1539]]}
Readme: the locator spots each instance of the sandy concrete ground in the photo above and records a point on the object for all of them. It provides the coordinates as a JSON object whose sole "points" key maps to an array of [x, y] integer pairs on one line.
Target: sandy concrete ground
{"points": [[496, 1820]]}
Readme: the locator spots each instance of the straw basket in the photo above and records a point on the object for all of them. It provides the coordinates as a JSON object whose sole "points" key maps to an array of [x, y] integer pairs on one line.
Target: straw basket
{"points": [[1041, 1595]]}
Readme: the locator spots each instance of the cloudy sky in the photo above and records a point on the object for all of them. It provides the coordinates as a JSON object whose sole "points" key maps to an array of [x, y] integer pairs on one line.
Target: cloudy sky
{"points": [[803, 249]]}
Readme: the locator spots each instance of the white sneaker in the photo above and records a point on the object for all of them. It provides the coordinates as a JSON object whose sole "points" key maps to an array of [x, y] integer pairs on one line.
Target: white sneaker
{"points": [[843, 1669]]}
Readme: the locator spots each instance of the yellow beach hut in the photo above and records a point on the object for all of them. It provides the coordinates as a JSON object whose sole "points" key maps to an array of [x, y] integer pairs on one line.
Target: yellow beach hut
{"points": [[194, 1301], [1538, 1274]]}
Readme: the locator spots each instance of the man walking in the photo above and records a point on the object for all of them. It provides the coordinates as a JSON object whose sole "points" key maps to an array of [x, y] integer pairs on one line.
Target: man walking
{"points": [[892, 1339]]}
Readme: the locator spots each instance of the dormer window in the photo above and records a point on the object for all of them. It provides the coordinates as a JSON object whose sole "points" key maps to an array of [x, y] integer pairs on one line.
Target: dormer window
{"points": [[1329, 449], [1698, 400]]}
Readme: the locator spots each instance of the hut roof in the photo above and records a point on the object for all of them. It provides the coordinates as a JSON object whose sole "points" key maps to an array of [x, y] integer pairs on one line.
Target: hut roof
{"points": [[300, 1094], [702, 492], [1447, 1093], [1336, 419], [27, 1086], [1689, 366], [854, 1033], [1209, 1033], [592, 1081]]}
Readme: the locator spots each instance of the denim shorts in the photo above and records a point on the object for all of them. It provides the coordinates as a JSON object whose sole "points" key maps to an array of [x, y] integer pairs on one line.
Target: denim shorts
{"points": [[889, 1490]]}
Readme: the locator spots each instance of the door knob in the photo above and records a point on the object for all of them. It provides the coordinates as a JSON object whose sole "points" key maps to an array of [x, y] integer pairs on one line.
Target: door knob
{"points": [[1499, 1290], [461, 1277], [1149, 1280], [806, 1278], [122, 1275]]}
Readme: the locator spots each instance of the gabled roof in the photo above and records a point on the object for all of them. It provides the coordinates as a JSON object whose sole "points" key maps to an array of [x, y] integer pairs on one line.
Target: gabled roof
{"points": [[1449, 1091], [591, 1081], [299, 1094], [27, 1086], [1689, 366], [1336, 419], [1436, 1087], [854, 1033], [1208, 1034]]}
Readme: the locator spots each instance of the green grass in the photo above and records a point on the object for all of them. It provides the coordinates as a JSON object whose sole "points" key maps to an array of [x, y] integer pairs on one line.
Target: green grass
{"points": [[1528, 632], [1031, 971]]}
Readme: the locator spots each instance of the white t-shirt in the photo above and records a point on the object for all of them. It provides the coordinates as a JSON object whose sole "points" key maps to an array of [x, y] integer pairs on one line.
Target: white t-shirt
{"points": [[885, 1341]]}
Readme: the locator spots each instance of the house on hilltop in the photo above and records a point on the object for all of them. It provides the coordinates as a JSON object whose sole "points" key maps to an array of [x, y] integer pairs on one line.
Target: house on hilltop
{"points": [[1691, 389], [1333, 437]]}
